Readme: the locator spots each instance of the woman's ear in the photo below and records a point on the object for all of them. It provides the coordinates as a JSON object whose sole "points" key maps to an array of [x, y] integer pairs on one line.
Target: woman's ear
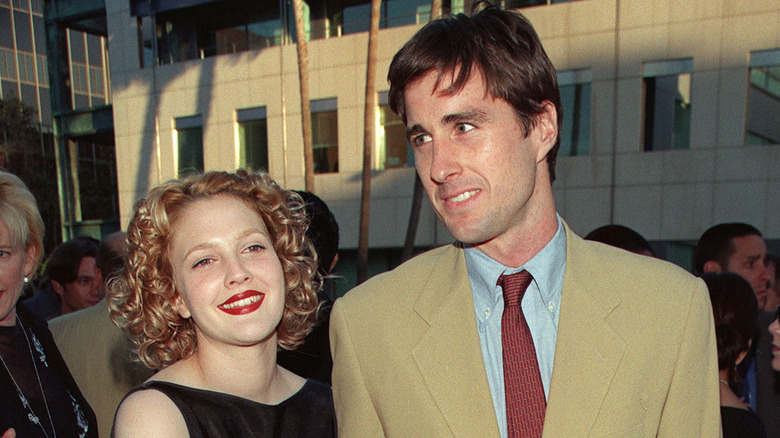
{"points": [[181, 307], [31, 254]]}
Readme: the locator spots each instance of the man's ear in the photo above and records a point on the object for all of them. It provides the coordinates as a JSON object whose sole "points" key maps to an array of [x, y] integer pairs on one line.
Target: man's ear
{"points": [[547, 130], [713, 266], [57, 287]]}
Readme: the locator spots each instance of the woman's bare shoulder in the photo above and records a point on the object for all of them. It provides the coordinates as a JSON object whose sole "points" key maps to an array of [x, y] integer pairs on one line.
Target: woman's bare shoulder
{"points": [[149, 412]]}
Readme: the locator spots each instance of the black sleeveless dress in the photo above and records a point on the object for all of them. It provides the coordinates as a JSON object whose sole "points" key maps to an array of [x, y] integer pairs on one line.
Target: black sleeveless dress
{"points": [[307, 413]]}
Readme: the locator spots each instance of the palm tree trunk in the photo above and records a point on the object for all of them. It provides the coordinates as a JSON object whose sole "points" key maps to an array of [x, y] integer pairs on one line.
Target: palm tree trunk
{"points": [[369, 136], [303, 76]]}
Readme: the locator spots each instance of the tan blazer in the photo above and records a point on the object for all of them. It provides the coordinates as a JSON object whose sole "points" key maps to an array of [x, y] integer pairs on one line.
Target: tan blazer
{"points": [[98, 355], [635, 356]]}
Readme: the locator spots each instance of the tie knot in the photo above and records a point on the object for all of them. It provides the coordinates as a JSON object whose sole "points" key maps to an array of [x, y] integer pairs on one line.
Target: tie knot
{"points": [[514, 286]]}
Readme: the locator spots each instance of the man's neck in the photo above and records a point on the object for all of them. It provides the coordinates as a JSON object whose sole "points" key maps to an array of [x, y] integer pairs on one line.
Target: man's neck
{"points": [[515, 249]]}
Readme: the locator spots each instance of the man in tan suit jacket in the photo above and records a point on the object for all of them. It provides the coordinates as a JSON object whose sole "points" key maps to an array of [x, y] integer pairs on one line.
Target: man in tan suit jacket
{"points": [[414, 355], [97, 352]]}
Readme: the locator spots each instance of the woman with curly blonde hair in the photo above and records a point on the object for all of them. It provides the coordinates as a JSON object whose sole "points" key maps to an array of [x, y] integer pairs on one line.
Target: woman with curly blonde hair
{"points": [[219, 275]]}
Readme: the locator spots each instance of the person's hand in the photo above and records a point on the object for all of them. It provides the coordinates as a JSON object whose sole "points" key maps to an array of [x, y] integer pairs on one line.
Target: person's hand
{"points": [[10, 433]]}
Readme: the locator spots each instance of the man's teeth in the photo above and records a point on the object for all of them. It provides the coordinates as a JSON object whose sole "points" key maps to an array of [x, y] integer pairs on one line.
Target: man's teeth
{"points": [[242, 303], [463, 196]]}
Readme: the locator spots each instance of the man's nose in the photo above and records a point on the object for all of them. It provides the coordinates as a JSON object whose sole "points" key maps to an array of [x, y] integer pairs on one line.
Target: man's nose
{"points": [[445, 162]]}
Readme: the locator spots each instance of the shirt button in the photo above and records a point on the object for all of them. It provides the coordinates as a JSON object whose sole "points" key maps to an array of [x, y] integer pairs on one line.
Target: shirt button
{"points": [[551, 307], [487, 313]]}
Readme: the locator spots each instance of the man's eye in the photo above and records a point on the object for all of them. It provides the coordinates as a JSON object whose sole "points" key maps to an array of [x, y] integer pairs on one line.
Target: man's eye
{"points": [[420, 139], [465, 127]]}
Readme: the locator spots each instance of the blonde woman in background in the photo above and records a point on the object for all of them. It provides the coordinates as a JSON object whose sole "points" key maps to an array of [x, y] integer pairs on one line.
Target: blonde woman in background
{"points": [[38, 396]]}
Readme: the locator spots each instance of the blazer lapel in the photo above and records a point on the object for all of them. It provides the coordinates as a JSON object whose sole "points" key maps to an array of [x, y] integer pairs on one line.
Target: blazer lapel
{"points": [[588, 351], [448, 355]]}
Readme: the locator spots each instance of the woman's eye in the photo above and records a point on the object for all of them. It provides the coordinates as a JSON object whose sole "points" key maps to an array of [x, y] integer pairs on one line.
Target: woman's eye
{"points": [[255, 248], [201, 262]]}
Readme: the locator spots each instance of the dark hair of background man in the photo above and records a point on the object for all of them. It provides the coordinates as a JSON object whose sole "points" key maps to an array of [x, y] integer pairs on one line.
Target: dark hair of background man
{"points": [[716, 244]]}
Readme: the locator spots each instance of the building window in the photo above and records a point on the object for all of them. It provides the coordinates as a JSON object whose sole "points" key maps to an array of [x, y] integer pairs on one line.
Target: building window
{"points": [[96, 81], [667, 104], [145, 42], [26, 67], [252, 138], [575, 100], [7, 64], [79, 77], [325, 135], [188, 137], [43, 73], [392, 148], [210, 29], [764, 98]]}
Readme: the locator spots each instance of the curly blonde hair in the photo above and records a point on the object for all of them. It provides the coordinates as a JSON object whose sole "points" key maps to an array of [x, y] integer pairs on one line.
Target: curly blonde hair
{"points": [[142, 298]]}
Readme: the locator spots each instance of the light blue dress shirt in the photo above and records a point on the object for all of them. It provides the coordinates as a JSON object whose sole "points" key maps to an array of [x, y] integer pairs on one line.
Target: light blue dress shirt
{"points": [[540, 305]]}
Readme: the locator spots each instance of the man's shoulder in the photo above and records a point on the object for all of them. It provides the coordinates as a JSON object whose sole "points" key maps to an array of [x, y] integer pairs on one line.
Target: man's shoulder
{"points": [[626, 271], [93, 320], [606, 258]]}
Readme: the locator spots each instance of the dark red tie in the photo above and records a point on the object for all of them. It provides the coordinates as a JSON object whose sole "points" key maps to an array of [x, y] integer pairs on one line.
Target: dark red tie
{"points": [[525, 402]]}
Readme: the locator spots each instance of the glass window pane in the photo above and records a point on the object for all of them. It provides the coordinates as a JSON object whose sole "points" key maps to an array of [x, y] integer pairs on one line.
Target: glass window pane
{"points": [[324, 129], [77, 52], [43, 74], [403, 12], [6, 38], [253, 144], [96, 81], [231, 40], [94, 50], [667, 108], [392, 148], [10, 64], [39, 33], [357, 18], [764, 98], [190, 146], [97, 181], [145, 43], [10, 89], [264, 34], [23, 31], [575, 99]]}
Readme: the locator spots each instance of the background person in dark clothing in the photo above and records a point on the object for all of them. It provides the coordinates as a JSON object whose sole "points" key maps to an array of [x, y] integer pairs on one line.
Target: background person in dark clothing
{"points": [[735, 311]]}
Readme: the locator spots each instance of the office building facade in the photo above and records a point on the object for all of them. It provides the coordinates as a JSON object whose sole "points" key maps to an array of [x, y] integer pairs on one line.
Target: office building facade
{"points": [[670, 125]]}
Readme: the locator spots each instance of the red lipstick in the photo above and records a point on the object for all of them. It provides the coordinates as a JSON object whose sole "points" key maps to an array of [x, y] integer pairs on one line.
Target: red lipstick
{"points": [[243, 303]]}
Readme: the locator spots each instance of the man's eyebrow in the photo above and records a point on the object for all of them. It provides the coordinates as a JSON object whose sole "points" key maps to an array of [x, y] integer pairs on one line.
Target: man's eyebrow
{"points": [[462, 116], [414, 130]]}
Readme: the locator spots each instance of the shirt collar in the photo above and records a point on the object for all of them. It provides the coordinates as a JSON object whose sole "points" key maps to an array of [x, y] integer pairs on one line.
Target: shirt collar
{"points": [[547, 268]]}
